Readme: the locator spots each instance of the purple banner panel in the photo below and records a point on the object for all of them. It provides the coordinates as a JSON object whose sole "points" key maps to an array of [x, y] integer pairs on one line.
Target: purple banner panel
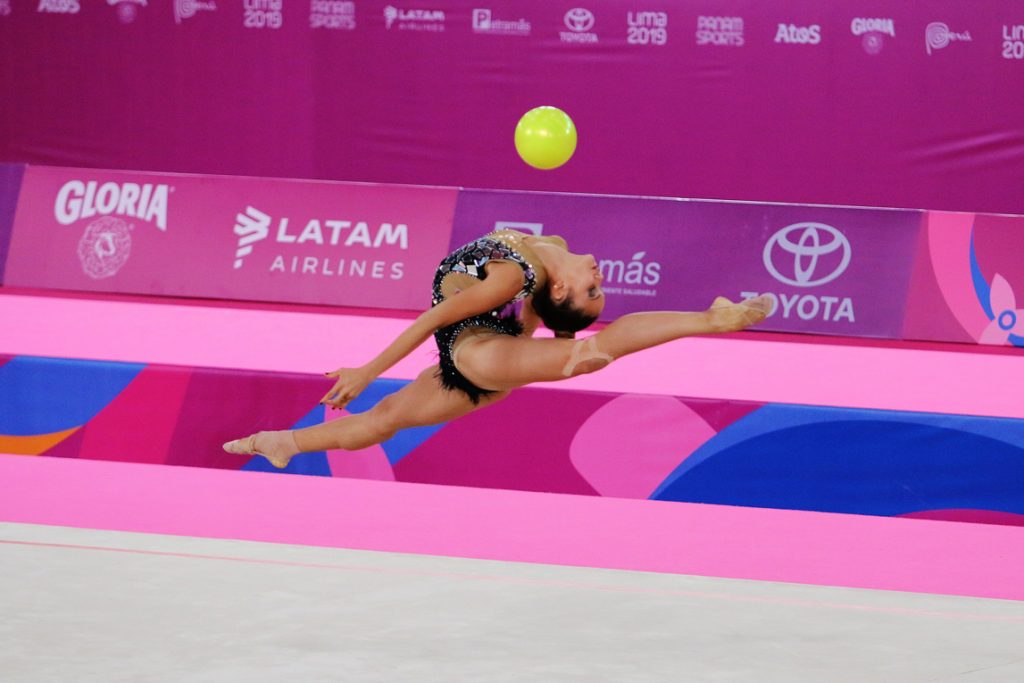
{"points": [[832, 271], [10, 184], [841, 102], [968, 283], [229, 238]]}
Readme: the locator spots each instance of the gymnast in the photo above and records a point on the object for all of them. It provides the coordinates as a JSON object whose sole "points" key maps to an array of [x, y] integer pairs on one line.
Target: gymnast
{"points": [[485, 349]]}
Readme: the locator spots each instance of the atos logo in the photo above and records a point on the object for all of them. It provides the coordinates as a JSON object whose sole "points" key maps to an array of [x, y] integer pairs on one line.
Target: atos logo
{"points": [[795, 254]]}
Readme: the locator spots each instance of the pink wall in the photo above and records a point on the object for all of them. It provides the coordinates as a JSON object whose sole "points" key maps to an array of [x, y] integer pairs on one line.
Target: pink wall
{"points": [[864, 118]]}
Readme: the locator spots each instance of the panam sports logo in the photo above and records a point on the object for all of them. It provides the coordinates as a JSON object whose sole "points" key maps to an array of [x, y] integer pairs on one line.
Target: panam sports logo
{"points": [[315, 243], [106, 243]]}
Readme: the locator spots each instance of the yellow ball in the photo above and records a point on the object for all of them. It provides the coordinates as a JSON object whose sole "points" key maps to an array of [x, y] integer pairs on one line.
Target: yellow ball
{"points": [[545, 137]]}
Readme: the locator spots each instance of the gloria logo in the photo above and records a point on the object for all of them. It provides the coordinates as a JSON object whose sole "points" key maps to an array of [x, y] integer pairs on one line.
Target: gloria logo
{"points": [[938, 36], [800, 258], [105, 247], [186, 9], [77, 200], [316, 238], [873, 31], [59, 6], [127, 10]]}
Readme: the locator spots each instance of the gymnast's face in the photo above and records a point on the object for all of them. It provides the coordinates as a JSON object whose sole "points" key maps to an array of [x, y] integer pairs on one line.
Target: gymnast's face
{"points": [[581, 284]]}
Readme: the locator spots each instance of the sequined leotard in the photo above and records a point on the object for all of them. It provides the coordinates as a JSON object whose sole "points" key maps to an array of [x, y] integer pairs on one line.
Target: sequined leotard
{"points": [[470, 259]]}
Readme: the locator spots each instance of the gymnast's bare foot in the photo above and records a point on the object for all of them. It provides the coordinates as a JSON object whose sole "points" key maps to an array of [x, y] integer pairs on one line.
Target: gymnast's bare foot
{"points": [[732, 317], [277, 447]]}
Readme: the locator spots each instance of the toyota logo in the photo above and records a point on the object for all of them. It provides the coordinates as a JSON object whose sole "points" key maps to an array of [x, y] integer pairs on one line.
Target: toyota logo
{"points": [[579, 19], [805, 244]]}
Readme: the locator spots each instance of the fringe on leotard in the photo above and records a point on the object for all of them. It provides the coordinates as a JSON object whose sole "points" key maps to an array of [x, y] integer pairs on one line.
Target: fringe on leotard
{"points": [[471, 259]]}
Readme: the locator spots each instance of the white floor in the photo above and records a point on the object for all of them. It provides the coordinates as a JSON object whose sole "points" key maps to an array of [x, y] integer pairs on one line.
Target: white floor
{"points": [[84, 605]]}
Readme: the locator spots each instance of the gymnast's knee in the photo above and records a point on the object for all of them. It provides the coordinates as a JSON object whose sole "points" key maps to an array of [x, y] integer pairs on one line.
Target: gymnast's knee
{"points": [[585, 357], [382, 419]]}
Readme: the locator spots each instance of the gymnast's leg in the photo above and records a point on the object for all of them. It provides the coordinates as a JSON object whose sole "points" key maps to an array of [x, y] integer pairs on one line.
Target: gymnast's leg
{"points": [[504, 363], [421, 402]]}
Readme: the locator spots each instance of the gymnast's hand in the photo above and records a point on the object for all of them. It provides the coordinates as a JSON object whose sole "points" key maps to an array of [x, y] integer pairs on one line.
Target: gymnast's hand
{"points": [[727, 316], [350, 383]]}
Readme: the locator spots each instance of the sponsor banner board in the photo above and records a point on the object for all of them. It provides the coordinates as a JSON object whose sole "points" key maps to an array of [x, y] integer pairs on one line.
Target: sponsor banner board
{"points": [[229, 238], [837, 271]]}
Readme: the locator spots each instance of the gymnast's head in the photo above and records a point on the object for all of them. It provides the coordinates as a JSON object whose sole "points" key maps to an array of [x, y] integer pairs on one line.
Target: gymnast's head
{"points": [[571, 297]]}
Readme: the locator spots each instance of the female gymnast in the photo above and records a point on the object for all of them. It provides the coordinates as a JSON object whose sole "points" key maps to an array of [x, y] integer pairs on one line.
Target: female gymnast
{"points": [[486, 350]]}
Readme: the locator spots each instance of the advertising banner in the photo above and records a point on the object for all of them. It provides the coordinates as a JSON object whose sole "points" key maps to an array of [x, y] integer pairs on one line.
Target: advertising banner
{"points": [[881, 103], [834, 271], [968, 283], [229, 238], [10, 184]]}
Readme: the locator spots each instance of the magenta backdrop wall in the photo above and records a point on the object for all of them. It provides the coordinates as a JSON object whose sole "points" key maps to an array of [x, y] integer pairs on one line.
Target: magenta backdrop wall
{"points": [[793, 100]]}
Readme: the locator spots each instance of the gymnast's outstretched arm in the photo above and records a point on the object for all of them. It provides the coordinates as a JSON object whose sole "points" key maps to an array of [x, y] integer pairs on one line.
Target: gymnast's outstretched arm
{"points": [[503, 282]]}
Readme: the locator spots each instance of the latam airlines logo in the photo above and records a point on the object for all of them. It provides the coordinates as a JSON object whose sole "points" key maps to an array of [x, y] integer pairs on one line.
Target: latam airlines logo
{"points": [[413, 19], [318, 236], [808, 255], [106, 244]]}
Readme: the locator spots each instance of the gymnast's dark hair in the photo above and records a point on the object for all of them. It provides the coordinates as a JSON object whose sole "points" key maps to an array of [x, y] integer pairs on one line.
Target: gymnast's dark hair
{"points": [[564, 319]]}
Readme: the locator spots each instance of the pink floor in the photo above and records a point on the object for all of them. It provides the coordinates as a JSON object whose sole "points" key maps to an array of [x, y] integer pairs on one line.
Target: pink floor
{"points": [[775, 545], [309, 342], [731, 542]]}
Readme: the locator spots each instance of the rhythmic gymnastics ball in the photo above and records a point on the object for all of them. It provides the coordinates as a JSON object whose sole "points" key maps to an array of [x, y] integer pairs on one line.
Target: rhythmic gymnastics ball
{"points": [[545, 137]]}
